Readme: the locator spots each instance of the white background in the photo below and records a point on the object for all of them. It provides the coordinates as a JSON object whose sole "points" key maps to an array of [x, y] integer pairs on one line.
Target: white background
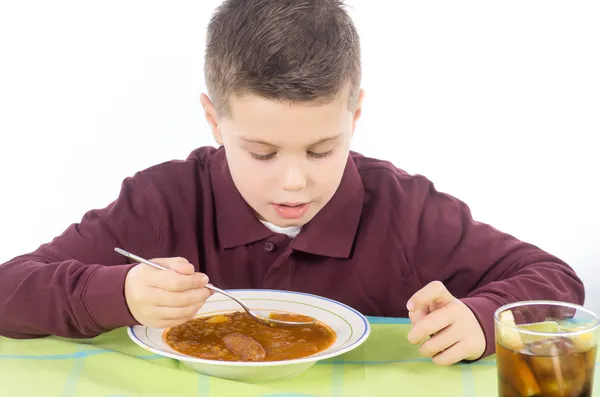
{"points": [[497, 102]]}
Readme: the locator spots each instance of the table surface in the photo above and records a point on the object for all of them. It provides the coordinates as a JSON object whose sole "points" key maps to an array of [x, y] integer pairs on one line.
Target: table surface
{"points": [[111, 365]]}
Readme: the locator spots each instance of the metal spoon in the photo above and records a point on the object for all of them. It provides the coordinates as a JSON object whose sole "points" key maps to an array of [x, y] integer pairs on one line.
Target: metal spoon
{"points": [[257, 317]]}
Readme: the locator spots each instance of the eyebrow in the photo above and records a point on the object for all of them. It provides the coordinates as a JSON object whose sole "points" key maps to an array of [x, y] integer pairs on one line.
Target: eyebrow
{"points": [[261, 142]]}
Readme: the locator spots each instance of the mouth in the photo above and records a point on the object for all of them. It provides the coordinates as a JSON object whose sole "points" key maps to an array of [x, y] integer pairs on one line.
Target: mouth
{"points": [[290, 210], [290, 205]]}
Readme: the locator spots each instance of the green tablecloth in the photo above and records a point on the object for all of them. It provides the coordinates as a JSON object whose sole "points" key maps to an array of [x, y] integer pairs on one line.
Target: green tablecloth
{"points": [[111, 365]]}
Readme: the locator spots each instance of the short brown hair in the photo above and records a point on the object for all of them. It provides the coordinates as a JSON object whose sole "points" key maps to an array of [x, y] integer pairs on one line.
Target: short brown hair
{"points": [[288, 50]]}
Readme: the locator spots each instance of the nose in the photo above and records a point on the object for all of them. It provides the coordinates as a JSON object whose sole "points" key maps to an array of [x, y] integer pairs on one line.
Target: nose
{"points": [[293, 179]]}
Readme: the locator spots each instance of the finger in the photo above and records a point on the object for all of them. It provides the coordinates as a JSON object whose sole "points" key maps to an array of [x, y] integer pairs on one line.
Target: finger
{"points": [[176, 313], [165, 323], [177, 264], [452, 355], [175, 282], [189, 297], [434, 292], [432, 323], [417, 315], [439, 342]]}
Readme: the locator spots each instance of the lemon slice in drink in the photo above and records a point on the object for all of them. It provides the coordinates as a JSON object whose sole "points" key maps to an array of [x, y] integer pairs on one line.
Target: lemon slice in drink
{"points": [[582, 341], [544, 326], [509, 336]]}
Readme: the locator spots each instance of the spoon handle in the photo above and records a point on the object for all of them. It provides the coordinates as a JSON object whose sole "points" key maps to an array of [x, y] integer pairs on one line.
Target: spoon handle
{"points": [[139, 259], [208, 286], [256, 317], [227, 294]]}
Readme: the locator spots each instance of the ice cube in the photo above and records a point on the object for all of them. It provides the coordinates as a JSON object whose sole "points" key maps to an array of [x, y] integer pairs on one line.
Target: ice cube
{"points": [[556, 346], [559, 369]]}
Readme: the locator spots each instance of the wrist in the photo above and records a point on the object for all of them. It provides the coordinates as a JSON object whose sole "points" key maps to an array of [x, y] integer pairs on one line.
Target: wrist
{"points": [[483, 308], [104, 297]]}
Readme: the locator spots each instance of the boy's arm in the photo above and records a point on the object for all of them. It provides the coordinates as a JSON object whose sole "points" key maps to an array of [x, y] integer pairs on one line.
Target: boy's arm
{"points": [[73, 286], [482, 266]]}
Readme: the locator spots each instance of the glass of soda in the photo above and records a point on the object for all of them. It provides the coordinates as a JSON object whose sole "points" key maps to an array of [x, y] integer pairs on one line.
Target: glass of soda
{"points": [[545, 349]]}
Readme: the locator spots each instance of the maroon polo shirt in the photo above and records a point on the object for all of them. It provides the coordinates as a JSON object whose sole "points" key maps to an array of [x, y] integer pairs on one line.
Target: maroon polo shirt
{"points": [[383, 236]]}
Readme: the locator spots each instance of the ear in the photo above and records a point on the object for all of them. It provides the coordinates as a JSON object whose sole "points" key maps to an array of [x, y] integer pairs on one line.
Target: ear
{"points": [[210, 113], [358, 109]]}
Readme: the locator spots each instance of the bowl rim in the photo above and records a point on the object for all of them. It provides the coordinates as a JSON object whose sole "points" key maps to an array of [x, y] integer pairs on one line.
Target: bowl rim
{"points": [[308, 359]]}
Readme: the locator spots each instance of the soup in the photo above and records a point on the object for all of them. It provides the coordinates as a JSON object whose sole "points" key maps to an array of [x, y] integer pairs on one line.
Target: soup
{"points": [[237, 337]]}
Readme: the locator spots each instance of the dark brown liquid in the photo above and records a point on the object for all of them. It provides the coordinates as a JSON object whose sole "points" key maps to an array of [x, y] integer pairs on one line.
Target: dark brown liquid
{"points": [[549, 369]]}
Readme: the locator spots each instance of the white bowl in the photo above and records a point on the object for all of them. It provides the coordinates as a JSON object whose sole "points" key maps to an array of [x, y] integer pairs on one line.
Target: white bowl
{"points": [[351, 329]]}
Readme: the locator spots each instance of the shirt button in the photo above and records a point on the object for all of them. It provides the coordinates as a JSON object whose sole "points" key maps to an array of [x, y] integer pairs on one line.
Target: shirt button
{"points": [[269, 246]]}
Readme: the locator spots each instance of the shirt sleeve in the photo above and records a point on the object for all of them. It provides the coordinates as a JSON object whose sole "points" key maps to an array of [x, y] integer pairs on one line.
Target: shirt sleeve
{"points": [[482, 266], [73, 286]]}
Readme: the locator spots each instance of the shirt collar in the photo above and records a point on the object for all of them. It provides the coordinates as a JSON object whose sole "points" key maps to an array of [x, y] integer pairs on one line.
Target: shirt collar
{"points": [[236, 222], [333, 230], [330, 233]]}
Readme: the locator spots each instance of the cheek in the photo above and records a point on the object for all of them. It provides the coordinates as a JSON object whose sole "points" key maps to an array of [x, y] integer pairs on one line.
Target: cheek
{"points": [[247, 185], [247, 174], [328, 176]]}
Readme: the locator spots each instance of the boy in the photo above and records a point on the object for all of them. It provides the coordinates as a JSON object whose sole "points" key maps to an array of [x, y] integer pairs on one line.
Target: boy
{"points": [[283, 204]]}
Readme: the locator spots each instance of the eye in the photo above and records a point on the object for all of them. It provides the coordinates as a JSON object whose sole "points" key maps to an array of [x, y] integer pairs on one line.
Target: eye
{"points": [[320, 155], [263, 157]]}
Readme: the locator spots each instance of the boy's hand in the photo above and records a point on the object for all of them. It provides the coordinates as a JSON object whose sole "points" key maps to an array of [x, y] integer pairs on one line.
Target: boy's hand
{"points": [[453, 331], [164, 298]]}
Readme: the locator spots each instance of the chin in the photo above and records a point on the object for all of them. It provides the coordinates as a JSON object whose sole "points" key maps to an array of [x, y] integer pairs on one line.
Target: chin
{"points": [[287, 222], [276, 220], [296, 222]]}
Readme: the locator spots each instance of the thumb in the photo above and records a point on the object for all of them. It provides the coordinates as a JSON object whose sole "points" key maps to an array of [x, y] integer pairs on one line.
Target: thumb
{"points": [[433, 294], [179, 265]]}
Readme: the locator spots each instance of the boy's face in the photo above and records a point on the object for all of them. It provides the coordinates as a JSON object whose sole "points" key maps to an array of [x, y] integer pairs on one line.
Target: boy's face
{"points": [[286, 160]]}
